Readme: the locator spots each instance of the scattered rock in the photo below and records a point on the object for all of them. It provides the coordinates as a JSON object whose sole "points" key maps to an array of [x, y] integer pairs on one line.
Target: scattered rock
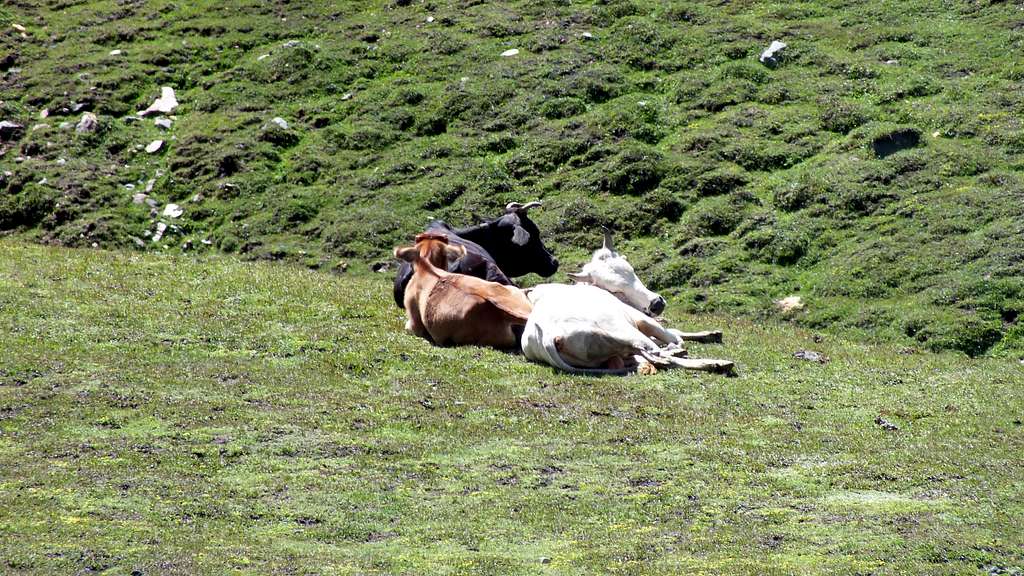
{"points": [[160, 229], [892, 62], [88, 123], [885, 424], [18, 27], [149, 185], [789, 304], [545, 560], [172, 210], [430, 19], [44, 113], [39, 127], [79, 106], [165, 104], [380, 266], [164, 123], [262, 57], [346, 96], [276, 132], [115, 53], [138, 242], [292, 44], [139, 198], [10, 131], [186, 245], [587, 36], [154, 146], [810, 356], [206, 242], [61, 161], [280, 122], [773, 54], [510, 52]]}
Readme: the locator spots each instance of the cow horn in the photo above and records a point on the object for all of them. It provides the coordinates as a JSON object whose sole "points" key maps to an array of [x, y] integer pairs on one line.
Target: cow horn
{"points": [[517, 207], [607, 239]]}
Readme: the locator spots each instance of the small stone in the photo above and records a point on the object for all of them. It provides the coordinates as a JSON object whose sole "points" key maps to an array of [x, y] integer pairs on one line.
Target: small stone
{"points": [[430, 19], [197, 197], [292, 44], [811, 356], [771, 56], [587, 36], [42, 182], [262, 57], [95, 245], [44, 113], [172, 210], [510, 52], [10, 131], [154, 146], [79, 106], [892, 62], [164, 123], [61, 161], [280, 122], [139, 198], [186, 245], [138, 242], [149, 185], [88, 123], [39, 127], [160, 229], [346, 96], [936, 134], [151, 203], [165, 104], [129, 186], [115, 53], [886, 425], [545, 560], [789, 304], [206, 242], [18, 27]]}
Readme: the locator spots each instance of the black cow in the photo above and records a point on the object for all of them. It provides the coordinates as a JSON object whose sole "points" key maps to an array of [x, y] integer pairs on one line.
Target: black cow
{"points": [[505, 247]]}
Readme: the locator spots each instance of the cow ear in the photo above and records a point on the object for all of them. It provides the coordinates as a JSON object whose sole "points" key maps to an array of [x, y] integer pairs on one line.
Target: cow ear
{"points": [[407, 253], [580, 278], [453, 252], [520, 236]]}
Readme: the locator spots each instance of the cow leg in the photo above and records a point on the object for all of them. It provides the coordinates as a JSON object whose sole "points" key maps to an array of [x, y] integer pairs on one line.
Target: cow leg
{"points": [[650, 328]]}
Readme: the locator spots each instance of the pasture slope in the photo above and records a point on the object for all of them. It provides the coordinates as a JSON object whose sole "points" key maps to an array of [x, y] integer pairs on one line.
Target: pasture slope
{"points": [[876, 171], [203, 415]]}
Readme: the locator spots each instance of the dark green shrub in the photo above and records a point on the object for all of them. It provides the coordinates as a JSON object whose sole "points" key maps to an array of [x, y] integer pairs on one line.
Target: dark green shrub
{"points": [[722, 180], [557, 108], [27, 207]]}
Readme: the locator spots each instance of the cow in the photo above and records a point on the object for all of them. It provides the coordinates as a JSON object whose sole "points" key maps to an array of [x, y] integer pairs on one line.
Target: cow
{"points": [[496, 250], [456, 309], [604, 326]]}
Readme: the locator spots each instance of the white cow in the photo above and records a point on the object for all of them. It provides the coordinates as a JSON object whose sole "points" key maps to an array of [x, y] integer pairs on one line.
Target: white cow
{"points": [[598, 327]]}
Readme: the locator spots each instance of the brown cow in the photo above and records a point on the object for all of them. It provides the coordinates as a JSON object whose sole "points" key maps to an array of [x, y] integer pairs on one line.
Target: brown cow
{"points": [[449, 308]]}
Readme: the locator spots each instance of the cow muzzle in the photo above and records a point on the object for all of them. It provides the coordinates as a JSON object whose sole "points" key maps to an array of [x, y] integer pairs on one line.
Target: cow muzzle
{"points": [[657, 306]]}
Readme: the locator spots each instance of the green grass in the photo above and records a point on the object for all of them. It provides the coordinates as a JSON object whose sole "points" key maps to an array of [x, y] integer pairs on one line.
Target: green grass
{"points": [[204, 415], [662, 125]]}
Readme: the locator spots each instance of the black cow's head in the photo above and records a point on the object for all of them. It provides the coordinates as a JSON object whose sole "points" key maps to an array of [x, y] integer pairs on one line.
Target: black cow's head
{"points": [[519, 249]]}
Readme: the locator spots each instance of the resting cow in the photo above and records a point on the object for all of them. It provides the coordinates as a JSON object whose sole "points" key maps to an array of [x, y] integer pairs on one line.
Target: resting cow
{"points": [[505, 247], [588, 329], [457, 309]]}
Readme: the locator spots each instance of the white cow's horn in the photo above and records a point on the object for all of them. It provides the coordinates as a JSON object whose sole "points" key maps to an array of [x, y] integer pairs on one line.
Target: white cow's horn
{"points": [[517, 207]]}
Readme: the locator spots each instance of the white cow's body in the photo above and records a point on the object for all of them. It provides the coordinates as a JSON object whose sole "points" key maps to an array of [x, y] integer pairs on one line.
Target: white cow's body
{"points": [[582, 328]]}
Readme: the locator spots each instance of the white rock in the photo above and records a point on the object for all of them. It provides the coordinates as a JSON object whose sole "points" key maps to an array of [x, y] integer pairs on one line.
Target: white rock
{"points": [[262, 56], [115, 53], [88, 123], [18, 27], [165, 104], [280, 122], [44, 112], [151, 203], [346, 96], [292, 44], [39, 126], [790, 304], [892, 62], [139, 198], [510, 52], [61, 161], [43, 182], [164, 123], [430, 19], [587, 35], [770, 57], [154, 146], [207, 241], [138, 241], [149, 185], [129, 186], [160, 229], [172, 210]]}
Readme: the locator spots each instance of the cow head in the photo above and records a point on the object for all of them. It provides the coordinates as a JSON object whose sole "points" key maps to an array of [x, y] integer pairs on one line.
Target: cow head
{"points": [[433, 248], [517, 243], [610, 271]]}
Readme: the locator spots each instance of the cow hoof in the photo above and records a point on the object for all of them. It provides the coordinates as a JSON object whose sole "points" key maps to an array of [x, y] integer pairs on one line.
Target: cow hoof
{"points": [[646, 369]]}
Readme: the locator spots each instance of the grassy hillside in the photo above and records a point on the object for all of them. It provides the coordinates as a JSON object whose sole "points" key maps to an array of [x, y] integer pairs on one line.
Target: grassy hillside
{"points": [[875, 171], [200, 415]]}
